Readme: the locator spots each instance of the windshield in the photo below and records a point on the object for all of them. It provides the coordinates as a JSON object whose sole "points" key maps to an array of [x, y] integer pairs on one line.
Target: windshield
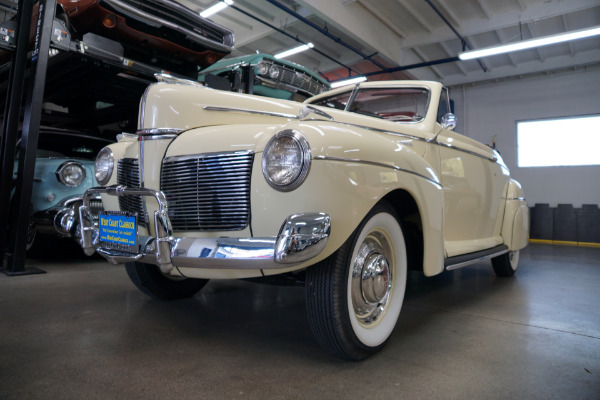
{"points": [[407, 104]]}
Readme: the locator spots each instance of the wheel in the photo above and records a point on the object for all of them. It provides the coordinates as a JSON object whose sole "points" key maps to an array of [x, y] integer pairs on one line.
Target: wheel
{"points": [[354, 297], [506, 264], [150, 280], [38, 245]]}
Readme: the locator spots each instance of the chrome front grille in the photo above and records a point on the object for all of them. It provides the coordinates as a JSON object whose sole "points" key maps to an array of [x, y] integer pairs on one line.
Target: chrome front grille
{"points": [[128, 174], [300, 80], [96, 207], [208, 192]]}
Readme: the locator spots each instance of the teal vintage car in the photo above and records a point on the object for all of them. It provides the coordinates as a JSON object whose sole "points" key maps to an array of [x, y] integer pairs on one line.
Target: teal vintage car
{"points": [[264, 75], [64, 170]]}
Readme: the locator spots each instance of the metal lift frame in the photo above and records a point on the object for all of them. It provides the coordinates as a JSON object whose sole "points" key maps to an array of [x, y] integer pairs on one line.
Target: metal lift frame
{"points": [[21, 208]]}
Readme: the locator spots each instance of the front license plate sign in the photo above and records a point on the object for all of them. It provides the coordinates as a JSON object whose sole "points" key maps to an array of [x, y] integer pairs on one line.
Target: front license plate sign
{"points": [[118, 230]]}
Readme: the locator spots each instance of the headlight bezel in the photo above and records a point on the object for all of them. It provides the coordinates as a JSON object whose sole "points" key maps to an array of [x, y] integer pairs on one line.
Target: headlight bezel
{"points": [[305, 156], [104, 175], [62, 171], [263, 67], [274, 71]]}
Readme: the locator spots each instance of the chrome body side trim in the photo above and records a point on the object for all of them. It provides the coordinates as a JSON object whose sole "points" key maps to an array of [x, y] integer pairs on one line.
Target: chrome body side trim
{"points": [[477, 259], [492, 159], [377, 164], [406, 135], [157, 133], [301, 237], [248, 111]]}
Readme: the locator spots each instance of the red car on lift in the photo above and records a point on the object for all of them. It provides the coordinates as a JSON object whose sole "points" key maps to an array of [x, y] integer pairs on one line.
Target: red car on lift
{"points": [[162, 33]]}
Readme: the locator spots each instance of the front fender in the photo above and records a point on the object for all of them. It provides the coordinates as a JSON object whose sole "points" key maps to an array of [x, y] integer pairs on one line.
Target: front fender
{"points": [[352, 169]]}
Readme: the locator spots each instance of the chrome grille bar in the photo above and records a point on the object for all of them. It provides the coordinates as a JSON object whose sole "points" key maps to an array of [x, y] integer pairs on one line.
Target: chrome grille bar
{"points": [[128, 174], [208, 192]]}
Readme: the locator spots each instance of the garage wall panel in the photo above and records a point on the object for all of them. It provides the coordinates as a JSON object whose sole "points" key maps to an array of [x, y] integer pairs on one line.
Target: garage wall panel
{"points": [[492, 109]]}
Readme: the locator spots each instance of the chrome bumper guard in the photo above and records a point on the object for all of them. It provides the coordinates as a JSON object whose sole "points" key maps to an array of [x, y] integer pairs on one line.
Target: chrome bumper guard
{"points": [[301, 237]]}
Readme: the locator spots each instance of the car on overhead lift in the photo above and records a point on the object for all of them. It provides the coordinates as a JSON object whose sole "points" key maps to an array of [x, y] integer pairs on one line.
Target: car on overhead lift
{"points": [[161, 33]]}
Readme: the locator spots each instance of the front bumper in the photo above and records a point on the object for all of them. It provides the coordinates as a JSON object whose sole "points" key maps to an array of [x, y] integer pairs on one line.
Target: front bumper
{"points": [[302, 236], [61, 219]]}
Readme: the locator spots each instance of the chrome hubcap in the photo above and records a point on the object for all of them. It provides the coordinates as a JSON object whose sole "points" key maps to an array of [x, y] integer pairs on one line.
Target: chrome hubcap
{"points": [[371, 278]]}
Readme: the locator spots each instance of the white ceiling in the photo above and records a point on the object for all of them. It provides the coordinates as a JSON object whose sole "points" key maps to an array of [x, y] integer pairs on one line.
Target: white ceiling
{"points": [[399, 33]]}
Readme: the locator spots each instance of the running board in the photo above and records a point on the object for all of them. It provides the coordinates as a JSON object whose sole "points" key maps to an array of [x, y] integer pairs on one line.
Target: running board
{"points": [[471, 258]]}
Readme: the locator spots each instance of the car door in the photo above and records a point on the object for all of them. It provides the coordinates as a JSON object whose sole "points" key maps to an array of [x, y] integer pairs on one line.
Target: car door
{"points": [[473, 184]]}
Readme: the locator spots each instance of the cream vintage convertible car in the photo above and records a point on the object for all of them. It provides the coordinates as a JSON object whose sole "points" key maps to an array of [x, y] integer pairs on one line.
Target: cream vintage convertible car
{"points": [[344, 192]]}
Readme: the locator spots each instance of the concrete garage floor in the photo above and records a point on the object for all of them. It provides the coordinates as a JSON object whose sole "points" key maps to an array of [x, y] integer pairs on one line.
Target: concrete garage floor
{"points": [[83, 331]]}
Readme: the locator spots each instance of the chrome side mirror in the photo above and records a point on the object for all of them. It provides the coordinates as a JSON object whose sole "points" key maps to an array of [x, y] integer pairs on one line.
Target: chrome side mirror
{"points": [[449, 121]]}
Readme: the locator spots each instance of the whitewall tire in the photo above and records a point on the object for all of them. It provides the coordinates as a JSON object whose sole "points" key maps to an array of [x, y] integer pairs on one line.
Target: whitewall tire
{"points": [[355, 296]]}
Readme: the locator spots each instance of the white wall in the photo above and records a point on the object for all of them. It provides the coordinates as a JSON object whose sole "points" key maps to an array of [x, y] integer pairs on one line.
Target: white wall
{"points": [[487, 109]]}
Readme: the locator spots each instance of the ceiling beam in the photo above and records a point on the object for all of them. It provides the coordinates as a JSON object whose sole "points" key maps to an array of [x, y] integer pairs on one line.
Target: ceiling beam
{"points": [[534, 12], [354, 21], [551, 64]]}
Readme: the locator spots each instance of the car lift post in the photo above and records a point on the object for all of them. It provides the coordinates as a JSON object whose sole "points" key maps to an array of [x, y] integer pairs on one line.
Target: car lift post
{"points": [[29, 141], [12, 112]]}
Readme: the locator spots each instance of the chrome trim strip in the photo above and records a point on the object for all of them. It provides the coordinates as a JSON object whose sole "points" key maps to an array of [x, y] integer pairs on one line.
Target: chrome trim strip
{"points": [[450, 146], [216, 154], [420, 139], [248, 111], [327, 158], [475, 260], [142, 182], [156, 137], [157, 131], [517, 198], [168, 78]]}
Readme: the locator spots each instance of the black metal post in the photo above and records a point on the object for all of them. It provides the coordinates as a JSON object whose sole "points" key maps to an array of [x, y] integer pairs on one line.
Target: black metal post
{"points": [[248, 79], [12, 112], [29, 139]]}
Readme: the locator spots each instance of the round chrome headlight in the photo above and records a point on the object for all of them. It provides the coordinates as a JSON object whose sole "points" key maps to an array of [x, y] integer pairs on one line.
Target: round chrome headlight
{"points": [[105, 163], [262, 67], [71, 173], [286, 160], [274, 72]]}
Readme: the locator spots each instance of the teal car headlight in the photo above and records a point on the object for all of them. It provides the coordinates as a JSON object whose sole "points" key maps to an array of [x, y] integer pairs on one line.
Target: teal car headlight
{"points": [[71, 173], [105, 163], [286, 160], [274, 72], [263, 68]]}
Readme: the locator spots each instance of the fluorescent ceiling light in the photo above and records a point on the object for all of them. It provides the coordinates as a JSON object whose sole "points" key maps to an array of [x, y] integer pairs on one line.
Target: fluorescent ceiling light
{"points": [[295, 50], [345, 82], [528, 44], [216, 8]]}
